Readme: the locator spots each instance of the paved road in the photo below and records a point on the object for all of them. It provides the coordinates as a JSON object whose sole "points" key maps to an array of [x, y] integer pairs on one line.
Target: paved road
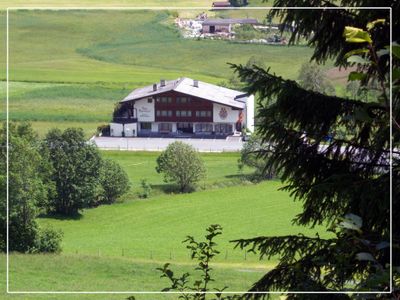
{"points": [[231, 144]]}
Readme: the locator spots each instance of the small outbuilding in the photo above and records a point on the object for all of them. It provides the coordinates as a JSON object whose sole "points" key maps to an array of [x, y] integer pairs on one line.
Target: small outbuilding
{"points": [[224, 25], [222, 4]]}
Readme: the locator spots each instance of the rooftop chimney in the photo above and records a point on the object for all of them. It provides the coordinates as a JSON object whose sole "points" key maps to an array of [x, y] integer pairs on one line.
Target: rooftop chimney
{"points": [[155, 87], [162, 82], [195, 83]]}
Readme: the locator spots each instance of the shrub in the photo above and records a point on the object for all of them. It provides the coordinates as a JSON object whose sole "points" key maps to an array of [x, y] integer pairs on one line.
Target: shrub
{"points": [[203, 252], [255, 154], [114, 181], [180, 163], [48, 240], [146, 189]]}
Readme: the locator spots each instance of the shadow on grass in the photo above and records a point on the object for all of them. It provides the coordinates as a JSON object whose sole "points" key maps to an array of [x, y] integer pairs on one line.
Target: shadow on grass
{"points": [[170, 189], [239, 176], [56, 216]]}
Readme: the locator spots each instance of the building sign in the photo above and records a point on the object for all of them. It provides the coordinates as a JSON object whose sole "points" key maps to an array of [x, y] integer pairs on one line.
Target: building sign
{"points": [[145, 110], [223, 113]]}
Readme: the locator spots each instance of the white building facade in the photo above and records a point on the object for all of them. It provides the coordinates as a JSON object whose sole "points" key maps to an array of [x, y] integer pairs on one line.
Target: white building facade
{"points": [[184, 107]]}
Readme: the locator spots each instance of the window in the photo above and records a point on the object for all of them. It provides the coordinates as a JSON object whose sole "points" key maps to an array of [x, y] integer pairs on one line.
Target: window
{"points": [[184, 125], [166, 99], [203, 113], [149, 100], [145, 126], [183, 113], [180, 100], [223, 128], [204, 127], [164, 113], [164, 127]]}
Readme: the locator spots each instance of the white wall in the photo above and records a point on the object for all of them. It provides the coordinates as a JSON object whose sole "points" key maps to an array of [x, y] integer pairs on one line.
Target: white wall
{"points": [[145, 110], [154, 127], [130, 129], [116, 129], [250, 113], [232, 117]]}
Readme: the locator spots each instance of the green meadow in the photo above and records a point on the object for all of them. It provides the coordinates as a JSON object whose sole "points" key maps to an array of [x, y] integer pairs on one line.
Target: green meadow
{"points": [[222, 171], [69, 68], [118, 247]]}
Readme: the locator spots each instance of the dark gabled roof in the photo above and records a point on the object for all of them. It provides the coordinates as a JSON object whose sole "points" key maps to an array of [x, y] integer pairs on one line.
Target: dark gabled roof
{"points": [[185, 85], [230, 21]]}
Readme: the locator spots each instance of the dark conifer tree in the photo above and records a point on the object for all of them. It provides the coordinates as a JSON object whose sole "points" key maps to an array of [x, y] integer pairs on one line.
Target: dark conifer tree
{"points": [[342, 180]]}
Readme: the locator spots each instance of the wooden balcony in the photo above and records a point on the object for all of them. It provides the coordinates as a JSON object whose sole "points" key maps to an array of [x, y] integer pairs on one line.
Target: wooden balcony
{"points": [[124, 120]]}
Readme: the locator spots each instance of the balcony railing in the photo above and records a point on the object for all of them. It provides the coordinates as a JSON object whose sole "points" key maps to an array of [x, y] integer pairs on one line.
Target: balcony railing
{"points": [[124, 120]]}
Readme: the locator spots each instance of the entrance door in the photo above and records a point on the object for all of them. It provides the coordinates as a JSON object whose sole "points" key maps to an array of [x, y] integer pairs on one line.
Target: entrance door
{"points": [[184, 127], [212, 29]]}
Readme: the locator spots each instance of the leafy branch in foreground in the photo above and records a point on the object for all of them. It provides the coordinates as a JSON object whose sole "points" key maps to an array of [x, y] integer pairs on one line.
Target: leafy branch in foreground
{"points": [[203, 252]]}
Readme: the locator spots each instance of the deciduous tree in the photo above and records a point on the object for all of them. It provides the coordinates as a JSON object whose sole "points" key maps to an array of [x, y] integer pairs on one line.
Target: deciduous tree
{"points": [[76, 172], [114, 181], [312, 77], [29, 186], [180, 163]]}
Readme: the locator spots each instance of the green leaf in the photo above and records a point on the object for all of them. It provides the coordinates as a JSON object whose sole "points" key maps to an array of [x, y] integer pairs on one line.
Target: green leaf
{"points": [[356, 35], [372, 24], [358, 59], [356, 51], [356, 76]]}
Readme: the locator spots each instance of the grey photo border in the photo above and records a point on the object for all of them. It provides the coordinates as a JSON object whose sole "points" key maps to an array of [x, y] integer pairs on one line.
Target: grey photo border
{"points": [[8, 9]]}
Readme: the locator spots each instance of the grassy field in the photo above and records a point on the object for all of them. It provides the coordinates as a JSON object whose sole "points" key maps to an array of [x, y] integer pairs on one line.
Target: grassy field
{"points": [[138, 228], [119, 3], [117, 247], [91, 273], [222, 170], [71, 67]]}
